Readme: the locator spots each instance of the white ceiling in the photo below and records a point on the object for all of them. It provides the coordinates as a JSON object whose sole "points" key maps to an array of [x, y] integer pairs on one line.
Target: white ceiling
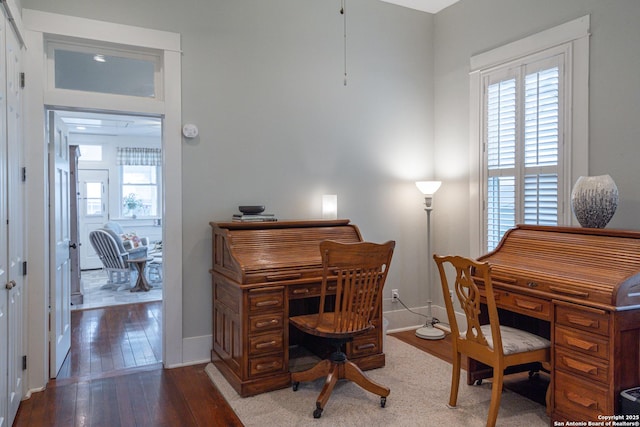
{"points": [[89, 123], [431, 6]]}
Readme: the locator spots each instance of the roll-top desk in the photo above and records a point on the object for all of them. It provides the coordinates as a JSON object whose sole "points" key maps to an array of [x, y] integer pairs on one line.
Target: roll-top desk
{"points": [[585, 285], [262, 272]]}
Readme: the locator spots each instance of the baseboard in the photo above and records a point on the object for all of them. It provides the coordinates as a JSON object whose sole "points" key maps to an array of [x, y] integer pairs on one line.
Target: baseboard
{"points": [[195, 350]]}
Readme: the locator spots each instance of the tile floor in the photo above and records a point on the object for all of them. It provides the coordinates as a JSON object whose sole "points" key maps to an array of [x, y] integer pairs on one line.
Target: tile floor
{"points": [[97, 297]]}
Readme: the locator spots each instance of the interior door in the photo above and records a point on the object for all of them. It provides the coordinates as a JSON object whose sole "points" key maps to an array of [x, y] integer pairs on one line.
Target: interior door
{"points": [[4, 281], [15, 211], [94, 208], [60, 237]]}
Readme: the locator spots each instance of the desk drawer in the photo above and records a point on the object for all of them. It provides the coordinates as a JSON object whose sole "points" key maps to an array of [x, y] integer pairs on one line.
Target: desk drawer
{"points": [[588, 367], [364, 345], [523, 304], [261, 300], [265, 322], [584, 318], [581, 399], [268, 343], [259, 366], [309, 290], [582, 342]]}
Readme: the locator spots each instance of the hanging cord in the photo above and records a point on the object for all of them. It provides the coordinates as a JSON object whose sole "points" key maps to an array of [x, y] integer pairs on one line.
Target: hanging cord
{"points": [[343, 12]]}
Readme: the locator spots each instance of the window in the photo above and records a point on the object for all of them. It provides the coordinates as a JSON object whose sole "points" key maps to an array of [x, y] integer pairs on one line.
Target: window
{"points": [[93, 201], [90, 153], [101, 69], [529, 122], [140, 169], [139, 190], [522, 140]]}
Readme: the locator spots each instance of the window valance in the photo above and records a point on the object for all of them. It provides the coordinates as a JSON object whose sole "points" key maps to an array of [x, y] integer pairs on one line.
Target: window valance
{"points": [[139, 156]]}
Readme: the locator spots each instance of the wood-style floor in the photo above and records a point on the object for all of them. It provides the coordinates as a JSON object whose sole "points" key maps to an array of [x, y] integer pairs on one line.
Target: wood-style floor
{"points": [[114, 377]]}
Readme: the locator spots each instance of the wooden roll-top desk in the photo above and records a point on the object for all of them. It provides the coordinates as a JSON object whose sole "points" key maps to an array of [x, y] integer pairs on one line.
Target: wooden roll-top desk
{"points": [[262, 273], [584, 284]]}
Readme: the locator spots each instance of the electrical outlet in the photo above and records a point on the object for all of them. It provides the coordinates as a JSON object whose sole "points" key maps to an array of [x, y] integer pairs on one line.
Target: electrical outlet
{"points": [[394, 295]]}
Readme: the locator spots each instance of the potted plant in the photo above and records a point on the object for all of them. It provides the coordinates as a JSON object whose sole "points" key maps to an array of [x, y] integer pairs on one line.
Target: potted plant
{"points": [[131, 202]]}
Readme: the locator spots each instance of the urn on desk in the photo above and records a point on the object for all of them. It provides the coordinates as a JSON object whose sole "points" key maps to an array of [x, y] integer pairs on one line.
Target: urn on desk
{"points": [[594, 200]]}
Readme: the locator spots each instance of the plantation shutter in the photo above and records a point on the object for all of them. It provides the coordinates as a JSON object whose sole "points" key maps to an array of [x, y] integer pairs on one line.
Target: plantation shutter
{"points": [[522, 124]]}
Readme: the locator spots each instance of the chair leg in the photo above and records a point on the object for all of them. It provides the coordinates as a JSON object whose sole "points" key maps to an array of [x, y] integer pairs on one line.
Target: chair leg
{"points": [[353, 373], [319, 370], [455, 380], [496, 395], [547, 398], [325, 393]]}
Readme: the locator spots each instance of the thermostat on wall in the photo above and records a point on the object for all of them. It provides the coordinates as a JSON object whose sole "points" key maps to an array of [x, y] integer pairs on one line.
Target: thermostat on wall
{"points": [[190, 130]]}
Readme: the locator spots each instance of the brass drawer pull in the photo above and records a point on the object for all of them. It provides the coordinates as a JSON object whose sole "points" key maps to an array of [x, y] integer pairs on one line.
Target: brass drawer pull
{"points": [[266, 366], [301, 291], [571, 292], [579, 366], [266, 323], [582, 321], [366, 346], [528, 305], [582, 401], [583, 345], [266, 344], [268, 303]]}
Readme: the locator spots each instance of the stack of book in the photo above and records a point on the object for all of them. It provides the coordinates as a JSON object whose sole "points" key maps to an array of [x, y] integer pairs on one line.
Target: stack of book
{"points": [[261, 217]]}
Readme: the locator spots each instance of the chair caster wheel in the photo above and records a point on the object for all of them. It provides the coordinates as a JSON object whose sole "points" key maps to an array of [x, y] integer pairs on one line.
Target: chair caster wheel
{"points": [[295, 385], [478, 382], [383, 402], [317, 413]]}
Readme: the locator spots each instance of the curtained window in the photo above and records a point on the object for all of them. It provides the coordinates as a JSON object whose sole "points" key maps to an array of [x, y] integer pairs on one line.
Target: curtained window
{"points": [[140, 169], [139, 156]]}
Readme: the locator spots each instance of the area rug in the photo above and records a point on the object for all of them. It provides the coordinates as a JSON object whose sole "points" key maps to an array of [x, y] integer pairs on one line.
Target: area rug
{"points": [[419, 386]]}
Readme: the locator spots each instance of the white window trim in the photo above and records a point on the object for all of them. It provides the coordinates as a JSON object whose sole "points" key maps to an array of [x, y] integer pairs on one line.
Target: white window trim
{"points": [[576, 34], [39, 26]]}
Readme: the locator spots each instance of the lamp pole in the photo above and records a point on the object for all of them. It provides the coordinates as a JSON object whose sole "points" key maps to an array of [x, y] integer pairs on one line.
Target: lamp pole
{"points": [[428, 331]]}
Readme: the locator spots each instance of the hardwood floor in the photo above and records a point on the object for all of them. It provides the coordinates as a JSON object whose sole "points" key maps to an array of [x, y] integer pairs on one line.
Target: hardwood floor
{"points": [[114, 377]]}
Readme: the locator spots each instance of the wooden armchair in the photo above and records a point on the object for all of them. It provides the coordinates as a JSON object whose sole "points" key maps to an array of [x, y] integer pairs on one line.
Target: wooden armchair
{"points": [[492, 344], [359, 271]]}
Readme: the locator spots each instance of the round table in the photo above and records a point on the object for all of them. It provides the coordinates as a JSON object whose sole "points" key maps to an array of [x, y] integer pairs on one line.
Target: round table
{"points": [[141, 283]]}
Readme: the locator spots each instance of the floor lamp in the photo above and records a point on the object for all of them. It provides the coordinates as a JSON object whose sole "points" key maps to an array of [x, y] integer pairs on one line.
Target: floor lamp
{"points": [[428, 331]]}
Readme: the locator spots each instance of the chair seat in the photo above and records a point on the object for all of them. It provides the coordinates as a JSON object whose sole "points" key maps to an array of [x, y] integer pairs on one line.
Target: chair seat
{"points": [[308, 323], [516, 340]]}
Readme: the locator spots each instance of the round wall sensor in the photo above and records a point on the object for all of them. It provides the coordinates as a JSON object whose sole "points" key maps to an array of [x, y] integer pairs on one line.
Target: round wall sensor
{"points": [[189, 130]]}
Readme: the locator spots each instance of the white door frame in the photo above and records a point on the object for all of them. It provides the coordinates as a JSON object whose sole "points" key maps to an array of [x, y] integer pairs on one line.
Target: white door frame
{"points": [[38, 24]]}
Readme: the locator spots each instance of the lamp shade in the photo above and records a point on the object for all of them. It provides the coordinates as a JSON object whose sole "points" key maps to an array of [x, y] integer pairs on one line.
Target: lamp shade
{"points": [[330, 206], [428, 187]]}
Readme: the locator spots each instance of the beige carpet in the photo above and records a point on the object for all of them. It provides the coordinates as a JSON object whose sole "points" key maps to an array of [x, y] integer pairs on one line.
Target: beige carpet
{"points": [[419, 386]]}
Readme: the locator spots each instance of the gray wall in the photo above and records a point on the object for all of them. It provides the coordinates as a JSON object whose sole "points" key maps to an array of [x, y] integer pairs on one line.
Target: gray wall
{"points": [[263, 80]]}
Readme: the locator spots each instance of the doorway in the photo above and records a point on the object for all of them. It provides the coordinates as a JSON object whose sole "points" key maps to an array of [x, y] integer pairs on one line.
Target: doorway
{"points": [[119, 161], [41, 29], [115, 157]]}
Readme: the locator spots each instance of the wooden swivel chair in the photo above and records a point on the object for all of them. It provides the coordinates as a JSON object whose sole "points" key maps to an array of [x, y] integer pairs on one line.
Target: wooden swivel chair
{"points": [[358, 271], [492, 344]]}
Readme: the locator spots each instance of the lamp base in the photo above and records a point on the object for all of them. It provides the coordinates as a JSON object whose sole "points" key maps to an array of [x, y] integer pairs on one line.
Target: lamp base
{"points": [[430, 333]]}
